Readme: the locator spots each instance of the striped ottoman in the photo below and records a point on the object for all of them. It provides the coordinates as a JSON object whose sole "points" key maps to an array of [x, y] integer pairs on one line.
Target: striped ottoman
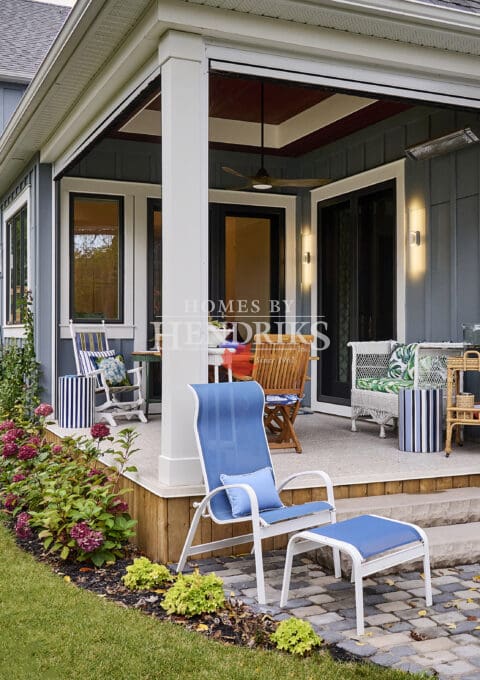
{"points": [[76, 398], [420, 415]]}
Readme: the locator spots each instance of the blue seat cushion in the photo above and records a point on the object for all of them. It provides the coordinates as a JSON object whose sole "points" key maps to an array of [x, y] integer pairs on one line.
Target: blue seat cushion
{"points": [[263, 485], [369, 534], [294, 511], [281, 399]]}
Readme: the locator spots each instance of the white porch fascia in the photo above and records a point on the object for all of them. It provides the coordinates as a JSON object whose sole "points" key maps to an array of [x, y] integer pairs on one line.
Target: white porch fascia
{"points": [[184, 72]]}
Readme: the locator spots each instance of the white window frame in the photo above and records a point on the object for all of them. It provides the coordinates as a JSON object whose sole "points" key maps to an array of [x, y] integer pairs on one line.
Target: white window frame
{"points": [[383, 173], [134, 249], [23, 199]]}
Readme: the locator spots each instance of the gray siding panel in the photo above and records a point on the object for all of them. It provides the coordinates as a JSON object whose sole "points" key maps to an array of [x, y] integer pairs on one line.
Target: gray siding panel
{"points": [[10, 95]]}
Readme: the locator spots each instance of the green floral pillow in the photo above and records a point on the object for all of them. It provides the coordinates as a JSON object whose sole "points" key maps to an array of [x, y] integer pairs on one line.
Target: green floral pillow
{"points": [[402, 362], [114, 368]]}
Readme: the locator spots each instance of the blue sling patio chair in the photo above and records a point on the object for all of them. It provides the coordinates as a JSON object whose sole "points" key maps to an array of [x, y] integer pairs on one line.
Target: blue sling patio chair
{"points": [[239, 478]]}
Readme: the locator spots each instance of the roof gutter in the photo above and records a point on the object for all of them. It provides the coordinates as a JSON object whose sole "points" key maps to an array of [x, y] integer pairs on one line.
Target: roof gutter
{"points": [[414, 11], [76, 25]]}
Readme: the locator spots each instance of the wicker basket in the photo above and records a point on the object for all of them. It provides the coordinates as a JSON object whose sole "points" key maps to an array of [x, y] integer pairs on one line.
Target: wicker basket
{"points": [[465, 400], [470, 361]]}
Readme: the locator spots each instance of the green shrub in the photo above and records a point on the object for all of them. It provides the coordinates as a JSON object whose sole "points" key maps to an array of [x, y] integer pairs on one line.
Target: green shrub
{"points": [[295, 636], [146, 575], [194, 594], [58, 490]]}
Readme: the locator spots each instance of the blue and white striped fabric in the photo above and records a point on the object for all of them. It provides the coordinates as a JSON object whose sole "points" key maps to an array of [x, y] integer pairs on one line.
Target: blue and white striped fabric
{"points": [[87, 359], [76, 401], [420, 420]]}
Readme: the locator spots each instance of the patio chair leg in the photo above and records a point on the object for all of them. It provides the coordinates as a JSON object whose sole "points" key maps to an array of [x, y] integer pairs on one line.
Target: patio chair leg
{"points": [[427, 576], [189, 539], [382, 432], [257, 544], [287, 572], [359, 600], [337, 568], [354, 424]]}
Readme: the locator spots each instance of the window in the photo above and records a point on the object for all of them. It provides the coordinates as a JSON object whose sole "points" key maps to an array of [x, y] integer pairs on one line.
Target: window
{"points": [[96, 258], [16, 266]]}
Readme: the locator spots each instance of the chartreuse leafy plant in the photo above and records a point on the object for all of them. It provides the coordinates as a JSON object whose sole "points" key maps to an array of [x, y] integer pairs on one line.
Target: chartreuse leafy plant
{"points": [[146, 575], [295, 636], [194, 594]]}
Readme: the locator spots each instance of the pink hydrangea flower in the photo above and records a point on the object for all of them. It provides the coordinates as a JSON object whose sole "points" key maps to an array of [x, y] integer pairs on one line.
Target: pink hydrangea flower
{"points": [[10, 501], [13, 434], [7, 425], [43, 410], [87, 539], [57, 448], [27, 452], [19, 477], [35, 441], [100, 431], [10, 449], [22, 528], [95, 472], [118, 506]]}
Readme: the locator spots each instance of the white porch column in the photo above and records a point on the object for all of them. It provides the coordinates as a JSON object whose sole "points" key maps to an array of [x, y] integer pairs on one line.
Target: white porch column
{"points": [[184, 74]]}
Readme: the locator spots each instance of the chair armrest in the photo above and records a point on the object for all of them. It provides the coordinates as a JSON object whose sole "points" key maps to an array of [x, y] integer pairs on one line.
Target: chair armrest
{"points": [[370, 359], [319, 473], [138, 375]]}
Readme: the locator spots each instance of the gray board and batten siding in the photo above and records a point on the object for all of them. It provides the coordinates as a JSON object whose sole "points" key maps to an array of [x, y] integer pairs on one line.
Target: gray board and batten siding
{"points": [[38, 178], [10, 95]]}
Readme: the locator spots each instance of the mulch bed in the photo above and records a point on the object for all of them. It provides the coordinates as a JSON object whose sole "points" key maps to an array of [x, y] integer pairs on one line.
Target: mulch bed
{"points": [[235, 624]]}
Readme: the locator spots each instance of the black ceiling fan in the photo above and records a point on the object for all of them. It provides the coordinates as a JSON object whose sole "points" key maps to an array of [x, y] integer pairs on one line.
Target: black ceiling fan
{"points": [[262, 181]]}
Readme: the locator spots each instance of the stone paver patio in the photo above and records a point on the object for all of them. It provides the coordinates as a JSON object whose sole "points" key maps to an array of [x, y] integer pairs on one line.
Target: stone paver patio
{"points": [[400, 632]]}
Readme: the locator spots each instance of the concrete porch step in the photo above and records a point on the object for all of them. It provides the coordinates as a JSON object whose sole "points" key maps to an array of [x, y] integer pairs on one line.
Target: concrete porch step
{"points": [[454, 544], [452, 506]]}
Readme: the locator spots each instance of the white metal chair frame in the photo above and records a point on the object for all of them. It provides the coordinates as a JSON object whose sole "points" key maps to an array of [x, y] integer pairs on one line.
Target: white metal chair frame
{"points": [[111, 407], [370, 360], [307, 541], [260, 529]]}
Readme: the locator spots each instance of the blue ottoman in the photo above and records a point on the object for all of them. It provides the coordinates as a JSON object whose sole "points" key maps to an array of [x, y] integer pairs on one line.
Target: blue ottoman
{"points": [[373, 543]]}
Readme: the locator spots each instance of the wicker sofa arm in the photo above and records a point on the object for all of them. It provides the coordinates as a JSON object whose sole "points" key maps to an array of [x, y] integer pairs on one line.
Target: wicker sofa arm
{"points": [[431, 362], [370, 359]]}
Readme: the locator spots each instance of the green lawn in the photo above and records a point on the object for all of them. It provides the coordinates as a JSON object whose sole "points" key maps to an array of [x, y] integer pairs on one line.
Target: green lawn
{"points": [[50, 629]]}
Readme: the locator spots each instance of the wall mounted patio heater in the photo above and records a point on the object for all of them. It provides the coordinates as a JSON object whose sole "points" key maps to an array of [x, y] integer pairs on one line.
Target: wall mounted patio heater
{"points": [[436, 147]]}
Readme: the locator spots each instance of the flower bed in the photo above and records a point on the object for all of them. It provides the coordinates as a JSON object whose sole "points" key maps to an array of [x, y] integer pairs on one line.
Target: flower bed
{"points": [[59, 492]]}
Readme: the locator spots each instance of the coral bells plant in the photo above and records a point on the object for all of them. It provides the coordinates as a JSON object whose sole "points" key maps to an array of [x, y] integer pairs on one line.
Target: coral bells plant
{"points": [[59, 491]]}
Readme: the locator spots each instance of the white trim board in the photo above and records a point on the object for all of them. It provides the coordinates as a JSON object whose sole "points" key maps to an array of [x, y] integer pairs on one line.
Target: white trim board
{"points": [[395, 171]]}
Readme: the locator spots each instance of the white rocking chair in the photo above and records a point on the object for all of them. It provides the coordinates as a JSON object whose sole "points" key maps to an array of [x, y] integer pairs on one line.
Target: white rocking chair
{"points": [[90, 341]]}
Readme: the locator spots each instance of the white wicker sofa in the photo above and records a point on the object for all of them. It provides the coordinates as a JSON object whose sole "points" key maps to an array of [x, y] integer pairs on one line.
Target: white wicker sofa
{"points": [[375, 394]]}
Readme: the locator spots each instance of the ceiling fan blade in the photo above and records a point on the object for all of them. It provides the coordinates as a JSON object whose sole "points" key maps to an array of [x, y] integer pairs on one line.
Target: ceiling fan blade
{"points": [[300, 183], [242, 187], [231, 171]]}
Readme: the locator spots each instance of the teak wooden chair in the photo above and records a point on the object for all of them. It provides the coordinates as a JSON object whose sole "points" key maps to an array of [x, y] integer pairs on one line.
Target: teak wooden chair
{"points": [[280, 366]]}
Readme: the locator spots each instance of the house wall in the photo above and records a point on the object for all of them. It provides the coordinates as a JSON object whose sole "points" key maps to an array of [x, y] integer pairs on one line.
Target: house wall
{"points": [[10, 95], [37, 180]]}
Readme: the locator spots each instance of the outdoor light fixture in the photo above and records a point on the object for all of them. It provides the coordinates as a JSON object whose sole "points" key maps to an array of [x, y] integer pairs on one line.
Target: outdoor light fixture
{"points": [[415, 238], [436, 147]]}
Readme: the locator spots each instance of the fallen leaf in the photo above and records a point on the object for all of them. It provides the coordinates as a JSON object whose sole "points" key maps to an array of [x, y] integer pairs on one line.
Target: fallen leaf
{"points": [[202, 626], [422, 612], [360, 644], [472, 618], [470, 600], [86, 569], [67, 579], [476, 578], [451, 625], [389, 582]]}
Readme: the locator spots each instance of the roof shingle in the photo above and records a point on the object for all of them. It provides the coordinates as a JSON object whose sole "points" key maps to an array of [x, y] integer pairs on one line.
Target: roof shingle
{"points": [[27, 31], [465, 5]]}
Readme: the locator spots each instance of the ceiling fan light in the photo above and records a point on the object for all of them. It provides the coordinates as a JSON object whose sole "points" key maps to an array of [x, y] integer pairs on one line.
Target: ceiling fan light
{"points": [[261, 186]]}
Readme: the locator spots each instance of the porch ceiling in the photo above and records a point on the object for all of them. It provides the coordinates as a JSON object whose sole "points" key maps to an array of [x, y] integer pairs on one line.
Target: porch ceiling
{"points": [[298, 118]]}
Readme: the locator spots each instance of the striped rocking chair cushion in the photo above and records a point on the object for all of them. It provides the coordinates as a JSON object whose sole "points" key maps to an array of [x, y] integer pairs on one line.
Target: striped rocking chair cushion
{"points": [[88, 362]]}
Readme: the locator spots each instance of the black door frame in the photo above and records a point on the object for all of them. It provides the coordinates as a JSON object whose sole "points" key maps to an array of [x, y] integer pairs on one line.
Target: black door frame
{"points": [[353, 198]]}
